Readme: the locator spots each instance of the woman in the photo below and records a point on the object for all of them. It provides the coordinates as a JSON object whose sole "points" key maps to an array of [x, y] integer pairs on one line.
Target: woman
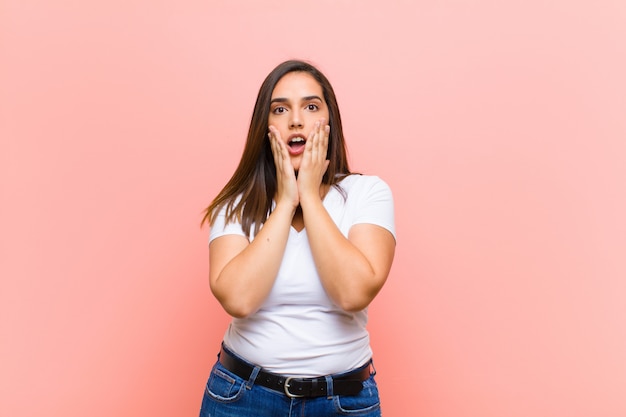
{"points": [[299, 247]]}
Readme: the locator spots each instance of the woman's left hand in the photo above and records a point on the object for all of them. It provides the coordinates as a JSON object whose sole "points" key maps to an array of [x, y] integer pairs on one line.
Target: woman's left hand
{"points": [[314, 163]]}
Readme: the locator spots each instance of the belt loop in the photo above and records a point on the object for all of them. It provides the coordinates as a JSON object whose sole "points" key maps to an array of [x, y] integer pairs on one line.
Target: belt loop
{"points": [[373, 373], [329, 386], [253, 376]]}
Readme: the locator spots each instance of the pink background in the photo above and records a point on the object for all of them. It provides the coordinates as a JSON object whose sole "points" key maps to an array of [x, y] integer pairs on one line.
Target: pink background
{"points": [[501, 127]]}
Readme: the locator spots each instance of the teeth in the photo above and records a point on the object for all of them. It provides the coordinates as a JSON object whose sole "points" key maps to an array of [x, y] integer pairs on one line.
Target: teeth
{"points": [[294, 140]]}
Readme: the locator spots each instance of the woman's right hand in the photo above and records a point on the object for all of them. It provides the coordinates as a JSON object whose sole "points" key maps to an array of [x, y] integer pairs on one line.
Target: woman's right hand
{"points": [[287, 187]]}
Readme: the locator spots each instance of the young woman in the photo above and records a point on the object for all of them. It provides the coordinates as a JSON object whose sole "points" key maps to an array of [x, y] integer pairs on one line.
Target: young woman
{"points": [[299, 247]]}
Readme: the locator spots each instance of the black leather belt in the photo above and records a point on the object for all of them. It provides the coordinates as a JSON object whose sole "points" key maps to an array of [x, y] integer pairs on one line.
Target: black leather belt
{"points": [[350, 383]]}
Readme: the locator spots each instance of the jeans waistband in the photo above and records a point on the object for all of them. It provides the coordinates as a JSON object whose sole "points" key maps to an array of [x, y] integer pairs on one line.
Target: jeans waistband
{"points": [[349, 383]]}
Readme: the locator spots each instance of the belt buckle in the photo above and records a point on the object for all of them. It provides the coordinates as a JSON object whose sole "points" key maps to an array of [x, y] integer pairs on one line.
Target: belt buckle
{"points": [[286, 389]]}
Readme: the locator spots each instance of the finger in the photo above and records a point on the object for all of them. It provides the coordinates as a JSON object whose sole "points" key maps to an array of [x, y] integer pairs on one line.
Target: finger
{"points": [[318, 143], [274, 147], [279, 149], [326, 135], [321, 141], [310, 141], [274, 131]]}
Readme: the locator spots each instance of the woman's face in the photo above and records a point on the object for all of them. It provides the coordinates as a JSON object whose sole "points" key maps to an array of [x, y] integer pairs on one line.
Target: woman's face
{"points": [[297, 103]]}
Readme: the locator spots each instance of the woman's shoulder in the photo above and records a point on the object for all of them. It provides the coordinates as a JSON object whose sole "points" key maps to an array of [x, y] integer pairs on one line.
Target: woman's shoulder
{"points": [[362, 181]]}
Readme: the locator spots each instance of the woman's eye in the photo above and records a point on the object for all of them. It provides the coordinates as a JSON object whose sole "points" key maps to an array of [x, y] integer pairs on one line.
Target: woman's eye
{"points": [[312, 107], [278, 110]]}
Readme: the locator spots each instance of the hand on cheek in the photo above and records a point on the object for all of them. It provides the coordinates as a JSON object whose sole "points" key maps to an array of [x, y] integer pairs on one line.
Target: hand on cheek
{"points": [[287, 188], [314, 163]]}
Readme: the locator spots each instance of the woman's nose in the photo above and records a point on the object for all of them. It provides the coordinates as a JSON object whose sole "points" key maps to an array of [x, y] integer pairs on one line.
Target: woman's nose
{"points": [[296, 120]]}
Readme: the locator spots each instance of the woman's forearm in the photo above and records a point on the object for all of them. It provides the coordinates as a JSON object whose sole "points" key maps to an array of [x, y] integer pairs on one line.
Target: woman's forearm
{"points": [[242, 274], [353, 269]]}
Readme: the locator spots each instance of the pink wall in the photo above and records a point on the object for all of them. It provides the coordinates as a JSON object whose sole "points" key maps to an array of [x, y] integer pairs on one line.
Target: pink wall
{"points": [[500, 126]]}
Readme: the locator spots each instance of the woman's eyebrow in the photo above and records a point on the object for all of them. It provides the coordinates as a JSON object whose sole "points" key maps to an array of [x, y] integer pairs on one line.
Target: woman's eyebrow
{"points": [[284, 100]]}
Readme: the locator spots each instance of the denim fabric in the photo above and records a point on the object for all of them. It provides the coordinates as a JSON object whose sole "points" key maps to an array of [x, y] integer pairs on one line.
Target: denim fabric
{"points": [[227, 395]]}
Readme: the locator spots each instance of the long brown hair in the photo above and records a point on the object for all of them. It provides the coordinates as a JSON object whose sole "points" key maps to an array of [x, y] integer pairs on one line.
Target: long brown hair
{"points": [[254, 179]]}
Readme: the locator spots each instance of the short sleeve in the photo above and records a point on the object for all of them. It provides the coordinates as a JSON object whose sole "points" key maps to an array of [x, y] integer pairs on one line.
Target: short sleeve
{"points": [[220, 228], [376, 205]]}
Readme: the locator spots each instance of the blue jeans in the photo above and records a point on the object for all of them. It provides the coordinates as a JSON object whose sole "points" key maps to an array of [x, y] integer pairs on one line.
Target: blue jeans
{"points": [[227, 395]]}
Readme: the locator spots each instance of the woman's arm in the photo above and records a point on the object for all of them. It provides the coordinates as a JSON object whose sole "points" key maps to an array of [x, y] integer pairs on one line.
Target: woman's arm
{"points": [[242, 273], [352, 270]]}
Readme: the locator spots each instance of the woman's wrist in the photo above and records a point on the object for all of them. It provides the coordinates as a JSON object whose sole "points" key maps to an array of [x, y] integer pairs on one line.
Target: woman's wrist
{"points": [[286, 208], [310, 199]]}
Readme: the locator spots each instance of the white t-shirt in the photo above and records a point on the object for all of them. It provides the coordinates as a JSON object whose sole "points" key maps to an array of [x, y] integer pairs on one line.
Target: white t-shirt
{"points": [[299, 331]]}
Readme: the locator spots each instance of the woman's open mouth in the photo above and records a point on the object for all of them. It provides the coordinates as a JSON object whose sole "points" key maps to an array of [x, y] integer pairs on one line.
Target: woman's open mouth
{"points": [[296, 144]]}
